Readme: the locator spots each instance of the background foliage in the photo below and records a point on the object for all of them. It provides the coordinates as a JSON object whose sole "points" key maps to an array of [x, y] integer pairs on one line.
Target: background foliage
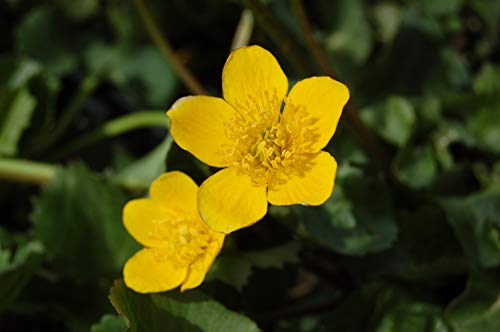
{"points": [[410, 240]]}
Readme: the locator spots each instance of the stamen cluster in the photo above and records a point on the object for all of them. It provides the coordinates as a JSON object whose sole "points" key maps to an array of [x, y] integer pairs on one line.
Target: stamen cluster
{"points": [[266, 140], [183, 239]]}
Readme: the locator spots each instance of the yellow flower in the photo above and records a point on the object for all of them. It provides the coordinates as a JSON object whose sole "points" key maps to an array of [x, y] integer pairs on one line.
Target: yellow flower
{"points": [[269, 154], [180, 248]]}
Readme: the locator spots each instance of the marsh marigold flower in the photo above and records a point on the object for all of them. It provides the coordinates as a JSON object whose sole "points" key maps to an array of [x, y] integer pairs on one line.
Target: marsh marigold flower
{"points": [[179, 246], [268, 143]]}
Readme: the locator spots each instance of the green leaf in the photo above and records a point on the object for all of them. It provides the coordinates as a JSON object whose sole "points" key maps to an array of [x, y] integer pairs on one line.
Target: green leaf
{"points": [[16, 110], [231, 270], [110, 323], [236, 269], [16, 102], [483, 125], [477, 309], [126, 65], [351, 37], [107, 60], [426, 251], [480, 122], [78, 10], [357, 219], [487, 81], [440, 7], [414, 18], [78, 217], [416, 167], [44, 36], [476, 221], [144, 170], [190, 311], [16, 270], [382, 307], [15, 73], [454, 68], [393, 120], [387, 17]]}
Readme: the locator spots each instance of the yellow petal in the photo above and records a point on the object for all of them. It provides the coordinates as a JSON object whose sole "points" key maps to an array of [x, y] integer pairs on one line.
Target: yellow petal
{"points": [[311, 185], [199, 268], [142, 216], [175, 190], [252, 79], [197, 125], [323, 99], [145, 273], [228, 201]]}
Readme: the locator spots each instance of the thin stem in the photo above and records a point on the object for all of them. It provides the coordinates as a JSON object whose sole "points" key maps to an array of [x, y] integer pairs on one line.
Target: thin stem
{"points": [[243, 30], [32, 172], [319, 56], [367, 139], [163, 44], [114, 128], [280, 37], [87, 87], [26, 171]]}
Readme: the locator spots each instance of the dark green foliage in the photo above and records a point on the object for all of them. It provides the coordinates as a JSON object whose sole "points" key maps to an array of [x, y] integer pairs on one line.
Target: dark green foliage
{"points": [[408, 242], [16, 102], [352, 222], [476, 309], [173, 311], [78, 218], [386, 307], [16, 270], [110, 323], [476, 221]]}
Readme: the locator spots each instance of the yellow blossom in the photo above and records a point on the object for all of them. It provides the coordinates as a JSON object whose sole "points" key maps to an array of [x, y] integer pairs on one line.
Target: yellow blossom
{"points": [[179, 247], [268, 143]]}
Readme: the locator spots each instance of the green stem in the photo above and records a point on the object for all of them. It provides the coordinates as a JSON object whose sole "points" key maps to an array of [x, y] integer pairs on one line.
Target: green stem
{"points": [[280, 37], [114, 128], [32, 172], [26, 171], [163, 44], [367, 139], [243, 30], [319, 56]]}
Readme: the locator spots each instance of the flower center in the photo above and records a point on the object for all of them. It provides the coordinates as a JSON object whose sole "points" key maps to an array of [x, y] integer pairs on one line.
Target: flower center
{"points": [[181, 239], [268, 142]]}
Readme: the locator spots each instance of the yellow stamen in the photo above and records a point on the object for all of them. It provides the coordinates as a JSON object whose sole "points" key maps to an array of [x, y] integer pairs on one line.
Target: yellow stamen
{"points": [[184, 239], [265, 141]]}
